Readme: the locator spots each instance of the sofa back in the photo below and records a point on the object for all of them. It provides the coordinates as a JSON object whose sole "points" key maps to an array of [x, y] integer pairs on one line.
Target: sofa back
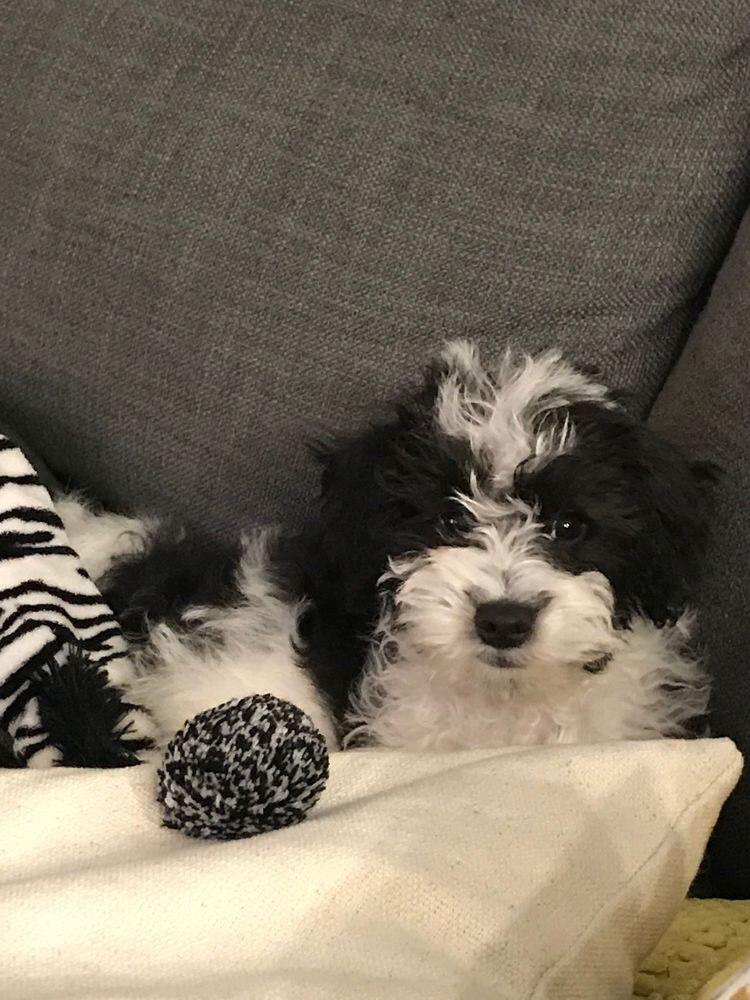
{"points": [[225, 225]]}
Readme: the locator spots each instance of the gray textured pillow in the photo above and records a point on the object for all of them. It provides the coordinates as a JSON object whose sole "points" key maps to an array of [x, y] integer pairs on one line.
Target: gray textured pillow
{"points": [[221, 223], [704, 406]]}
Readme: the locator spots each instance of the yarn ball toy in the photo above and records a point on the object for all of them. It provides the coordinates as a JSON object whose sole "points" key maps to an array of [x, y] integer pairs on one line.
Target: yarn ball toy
{"points": [[245, 767]]}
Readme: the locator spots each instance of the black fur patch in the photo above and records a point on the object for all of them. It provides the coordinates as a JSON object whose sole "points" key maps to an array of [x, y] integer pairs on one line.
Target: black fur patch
{"points": [[383, 495], [7, 757], [180, 569], [645, 506]]}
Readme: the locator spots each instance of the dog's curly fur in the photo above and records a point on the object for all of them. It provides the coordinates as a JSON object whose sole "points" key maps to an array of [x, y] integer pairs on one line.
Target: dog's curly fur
{"points": [[506, 559]]}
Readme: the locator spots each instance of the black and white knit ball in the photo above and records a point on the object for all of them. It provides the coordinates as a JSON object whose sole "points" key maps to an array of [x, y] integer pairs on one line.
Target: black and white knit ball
{"points": [[245, 767]]}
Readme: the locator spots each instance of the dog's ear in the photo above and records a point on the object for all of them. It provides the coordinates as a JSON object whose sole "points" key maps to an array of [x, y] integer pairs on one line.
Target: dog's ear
{"points": [[679, 494], [345, 542], [382, 493]]}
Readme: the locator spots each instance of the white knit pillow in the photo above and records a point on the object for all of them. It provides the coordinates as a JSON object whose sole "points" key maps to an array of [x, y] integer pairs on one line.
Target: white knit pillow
{"points": [[543, 874]]}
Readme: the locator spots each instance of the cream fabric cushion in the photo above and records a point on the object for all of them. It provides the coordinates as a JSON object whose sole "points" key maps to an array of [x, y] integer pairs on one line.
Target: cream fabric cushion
{"points": [[543, 873]]}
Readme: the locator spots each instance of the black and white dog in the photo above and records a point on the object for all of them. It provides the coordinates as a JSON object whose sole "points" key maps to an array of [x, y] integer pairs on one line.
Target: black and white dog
{"points": [[507, 559]]}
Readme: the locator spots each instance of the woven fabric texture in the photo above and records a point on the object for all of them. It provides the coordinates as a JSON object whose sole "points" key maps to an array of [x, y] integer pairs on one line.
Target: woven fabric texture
{"points": [[223, 224], [704, 408], [407, 882]]}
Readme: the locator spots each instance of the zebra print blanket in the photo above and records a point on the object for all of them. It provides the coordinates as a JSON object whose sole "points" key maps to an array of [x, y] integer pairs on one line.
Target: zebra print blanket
{"points": [[62, 653]]}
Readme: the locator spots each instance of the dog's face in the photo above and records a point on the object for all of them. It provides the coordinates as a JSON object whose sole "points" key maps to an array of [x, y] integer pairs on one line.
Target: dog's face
{"points": [[510, 520]]}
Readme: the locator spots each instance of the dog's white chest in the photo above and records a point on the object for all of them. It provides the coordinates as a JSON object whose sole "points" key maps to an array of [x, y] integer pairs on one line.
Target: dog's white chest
{"points": [[645, 692], [412, 708]]}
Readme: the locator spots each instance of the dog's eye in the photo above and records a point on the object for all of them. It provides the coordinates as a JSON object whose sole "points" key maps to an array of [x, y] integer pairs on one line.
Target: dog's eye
{"points": [[456, 521], [569, 528]]}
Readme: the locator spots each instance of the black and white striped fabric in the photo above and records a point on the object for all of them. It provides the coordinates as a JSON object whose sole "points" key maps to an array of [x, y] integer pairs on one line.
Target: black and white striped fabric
{"points": [[51, 613]]}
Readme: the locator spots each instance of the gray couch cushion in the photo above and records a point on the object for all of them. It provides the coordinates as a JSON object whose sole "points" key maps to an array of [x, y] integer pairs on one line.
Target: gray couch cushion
{"points": [[704, 406], [220, 223]]}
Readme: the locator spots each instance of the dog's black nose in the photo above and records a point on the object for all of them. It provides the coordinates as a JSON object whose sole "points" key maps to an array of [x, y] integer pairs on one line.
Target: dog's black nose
{"points": [[504, 624]]}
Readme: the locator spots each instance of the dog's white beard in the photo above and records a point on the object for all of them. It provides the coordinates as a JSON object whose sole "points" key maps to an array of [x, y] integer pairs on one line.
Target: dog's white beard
{"points": [[439, 592], [431, 684]]}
